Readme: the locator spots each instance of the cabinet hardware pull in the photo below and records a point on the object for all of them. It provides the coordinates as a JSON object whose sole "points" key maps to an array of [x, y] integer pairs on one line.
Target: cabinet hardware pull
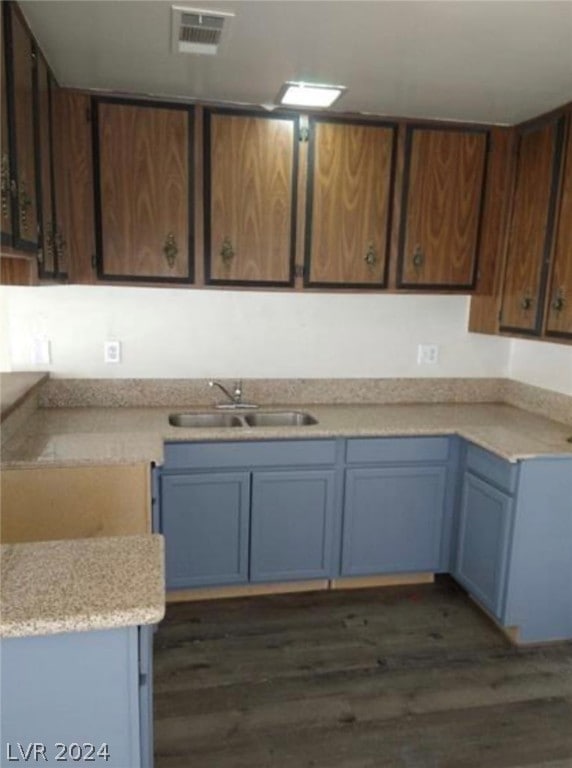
{"points": [[559, 302], [61, 246], [526, 303], [418, 257], [370, 257], [40, 256], [25, 201], [227, 251], [49, 241], [170, 250], [5, 185]]}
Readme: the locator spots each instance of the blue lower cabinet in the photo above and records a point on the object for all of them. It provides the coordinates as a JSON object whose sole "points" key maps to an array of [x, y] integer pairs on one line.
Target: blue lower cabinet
{"points": [[485, 524], [393, 519], [292, 525], [205, 521], [77, 698]]}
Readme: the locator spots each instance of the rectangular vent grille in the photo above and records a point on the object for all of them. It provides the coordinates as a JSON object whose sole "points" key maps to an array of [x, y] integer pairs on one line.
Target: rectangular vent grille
{"points": [[196, 31]]}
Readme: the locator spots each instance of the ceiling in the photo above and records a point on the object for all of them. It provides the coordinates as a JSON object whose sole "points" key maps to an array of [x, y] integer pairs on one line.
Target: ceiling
{"points": [[498, 61]]}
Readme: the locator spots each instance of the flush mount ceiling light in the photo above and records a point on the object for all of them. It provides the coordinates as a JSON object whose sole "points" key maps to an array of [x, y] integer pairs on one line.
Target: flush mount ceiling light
{"points": [[309, 94]]}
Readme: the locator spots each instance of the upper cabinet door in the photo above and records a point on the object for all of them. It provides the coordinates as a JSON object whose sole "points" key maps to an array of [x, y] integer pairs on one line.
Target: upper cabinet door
{"points": [[443, 191], [143, 156], [45, 186], [21, 80], [559, 314], [250, 198], [531, 227], [349, 190], [6, 191]]}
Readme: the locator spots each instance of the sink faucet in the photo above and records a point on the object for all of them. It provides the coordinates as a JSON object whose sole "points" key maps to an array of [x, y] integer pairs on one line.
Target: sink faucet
{"points": [[235, 397]]}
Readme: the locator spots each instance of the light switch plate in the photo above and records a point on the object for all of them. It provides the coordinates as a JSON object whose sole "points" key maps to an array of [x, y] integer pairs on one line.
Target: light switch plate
{"points": [[427, 354], [112, 352]]}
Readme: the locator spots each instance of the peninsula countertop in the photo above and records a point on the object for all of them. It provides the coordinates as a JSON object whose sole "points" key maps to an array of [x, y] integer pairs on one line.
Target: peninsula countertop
{"points": [[79, 585], [61, 437]]}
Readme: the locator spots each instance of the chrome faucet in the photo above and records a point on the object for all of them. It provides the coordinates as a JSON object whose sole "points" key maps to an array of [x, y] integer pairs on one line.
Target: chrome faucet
{"points": [[235, 397]]}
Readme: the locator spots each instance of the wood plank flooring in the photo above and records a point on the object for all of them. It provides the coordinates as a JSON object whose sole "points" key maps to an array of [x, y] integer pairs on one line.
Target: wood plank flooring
{"points": [[398, 677]]}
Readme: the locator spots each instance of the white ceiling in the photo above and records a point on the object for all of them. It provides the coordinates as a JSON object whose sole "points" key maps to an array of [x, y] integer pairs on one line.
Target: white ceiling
{"points": [[499, 61]]}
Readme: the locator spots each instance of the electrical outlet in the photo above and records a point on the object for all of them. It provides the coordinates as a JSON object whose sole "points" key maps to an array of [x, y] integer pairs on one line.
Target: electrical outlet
{"points": [[112, 352], [427, 354], [41, 352]]}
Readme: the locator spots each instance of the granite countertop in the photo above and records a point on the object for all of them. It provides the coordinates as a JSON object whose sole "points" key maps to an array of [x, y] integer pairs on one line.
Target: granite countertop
{"points": [[84, 436], [79, 585]]}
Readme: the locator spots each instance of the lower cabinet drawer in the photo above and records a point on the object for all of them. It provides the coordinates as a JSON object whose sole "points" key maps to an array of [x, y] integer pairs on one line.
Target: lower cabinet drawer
{"points": [[397, 450], [393, 519]]}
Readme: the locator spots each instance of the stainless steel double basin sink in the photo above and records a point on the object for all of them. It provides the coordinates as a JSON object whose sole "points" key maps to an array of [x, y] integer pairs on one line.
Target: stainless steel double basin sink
{"points": [[251, 419]]}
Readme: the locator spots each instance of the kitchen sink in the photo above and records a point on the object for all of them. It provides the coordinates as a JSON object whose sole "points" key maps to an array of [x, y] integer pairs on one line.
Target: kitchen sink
{"points": [[279, 419], [202, 420], [258, 419]]}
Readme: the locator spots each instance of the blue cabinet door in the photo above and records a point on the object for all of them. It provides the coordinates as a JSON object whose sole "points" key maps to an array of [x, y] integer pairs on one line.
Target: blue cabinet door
{"points": [[484, 531], [393, 519], [205, 521], [292, 525]]}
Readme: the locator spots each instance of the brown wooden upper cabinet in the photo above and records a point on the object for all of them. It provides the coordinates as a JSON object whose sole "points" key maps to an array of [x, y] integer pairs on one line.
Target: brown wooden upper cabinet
{"points": [[559, 299], [531, 227], [348, 203], [442, 199], [142, 185], [250, 177], [19, 153], [6, 178]]}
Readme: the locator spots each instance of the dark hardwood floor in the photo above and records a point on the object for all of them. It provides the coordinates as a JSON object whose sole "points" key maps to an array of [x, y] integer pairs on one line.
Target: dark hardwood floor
{"points": [[404, 677]]}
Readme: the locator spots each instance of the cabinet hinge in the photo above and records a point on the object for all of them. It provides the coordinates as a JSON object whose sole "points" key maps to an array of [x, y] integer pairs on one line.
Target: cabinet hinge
{"points": [[299, 270], [304, 134]]}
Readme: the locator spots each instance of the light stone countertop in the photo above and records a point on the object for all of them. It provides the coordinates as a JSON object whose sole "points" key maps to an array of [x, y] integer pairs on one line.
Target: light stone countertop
{"points": [[54, 437], [79, 585], [15, 387]]}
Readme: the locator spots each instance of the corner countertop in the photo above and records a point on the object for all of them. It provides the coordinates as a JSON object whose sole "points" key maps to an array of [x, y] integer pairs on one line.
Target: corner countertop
{"points": [[79, 585], [15, 387], [54, 437]]}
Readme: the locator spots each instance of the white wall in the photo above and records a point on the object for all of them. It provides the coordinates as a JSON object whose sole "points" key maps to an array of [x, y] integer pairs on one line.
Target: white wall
{"points": [[185, 333], [542, 364]]}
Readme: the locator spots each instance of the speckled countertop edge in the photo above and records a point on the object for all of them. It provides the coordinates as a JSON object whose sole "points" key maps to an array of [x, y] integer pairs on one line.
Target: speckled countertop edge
{"points": [[105, 436], [80, 585]]}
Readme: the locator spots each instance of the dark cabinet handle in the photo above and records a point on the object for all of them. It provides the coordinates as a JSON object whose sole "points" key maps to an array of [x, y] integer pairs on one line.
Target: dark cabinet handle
{"points": [[370, 257], [558, 302], [526, 303], [418, 258], [170, 250], [60, 245], [5, 185], [227, 251], [25, 201]]}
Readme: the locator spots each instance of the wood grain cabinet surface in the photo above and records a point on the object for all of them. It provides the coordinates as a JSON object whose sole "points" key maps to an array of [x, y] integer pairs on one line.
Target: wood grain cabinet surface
{"points": [[21, 73], [143, 156], [348, 199], [443, 190], [559, 299], [531, 226], [250, 177], [6, 169]]}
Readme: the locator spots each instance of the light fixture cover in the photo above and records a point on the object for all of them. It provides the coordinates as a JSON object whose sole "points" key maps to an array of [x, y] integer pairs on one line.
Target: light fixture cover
{"points": [[309, 94]]}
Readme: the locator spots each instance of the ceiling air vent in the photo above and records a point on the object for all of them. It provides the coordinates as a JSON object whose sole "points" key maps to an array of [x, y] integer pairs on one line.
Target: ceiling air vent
{"points": [[197, 31]]}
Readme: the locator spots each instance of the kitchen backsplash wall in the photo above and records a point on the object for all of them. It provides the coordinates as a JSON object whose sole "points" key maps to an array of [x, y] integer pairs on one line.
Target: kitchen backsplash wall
{"points": [[542, 364], [171, 333]]}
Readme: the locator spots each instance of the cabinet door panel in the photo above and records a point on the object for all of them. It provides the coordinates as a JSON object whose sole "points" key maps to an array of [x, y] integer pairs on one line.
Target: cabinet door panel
{"points": [[484, 529], [47, 266], [142, 190], [73, 179], [205, 521], [393, 519], [6, 203], [441, 208], [23, 144], [348, 203], [531, 228], [292, 525], [559, 317], [250, 177]]}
